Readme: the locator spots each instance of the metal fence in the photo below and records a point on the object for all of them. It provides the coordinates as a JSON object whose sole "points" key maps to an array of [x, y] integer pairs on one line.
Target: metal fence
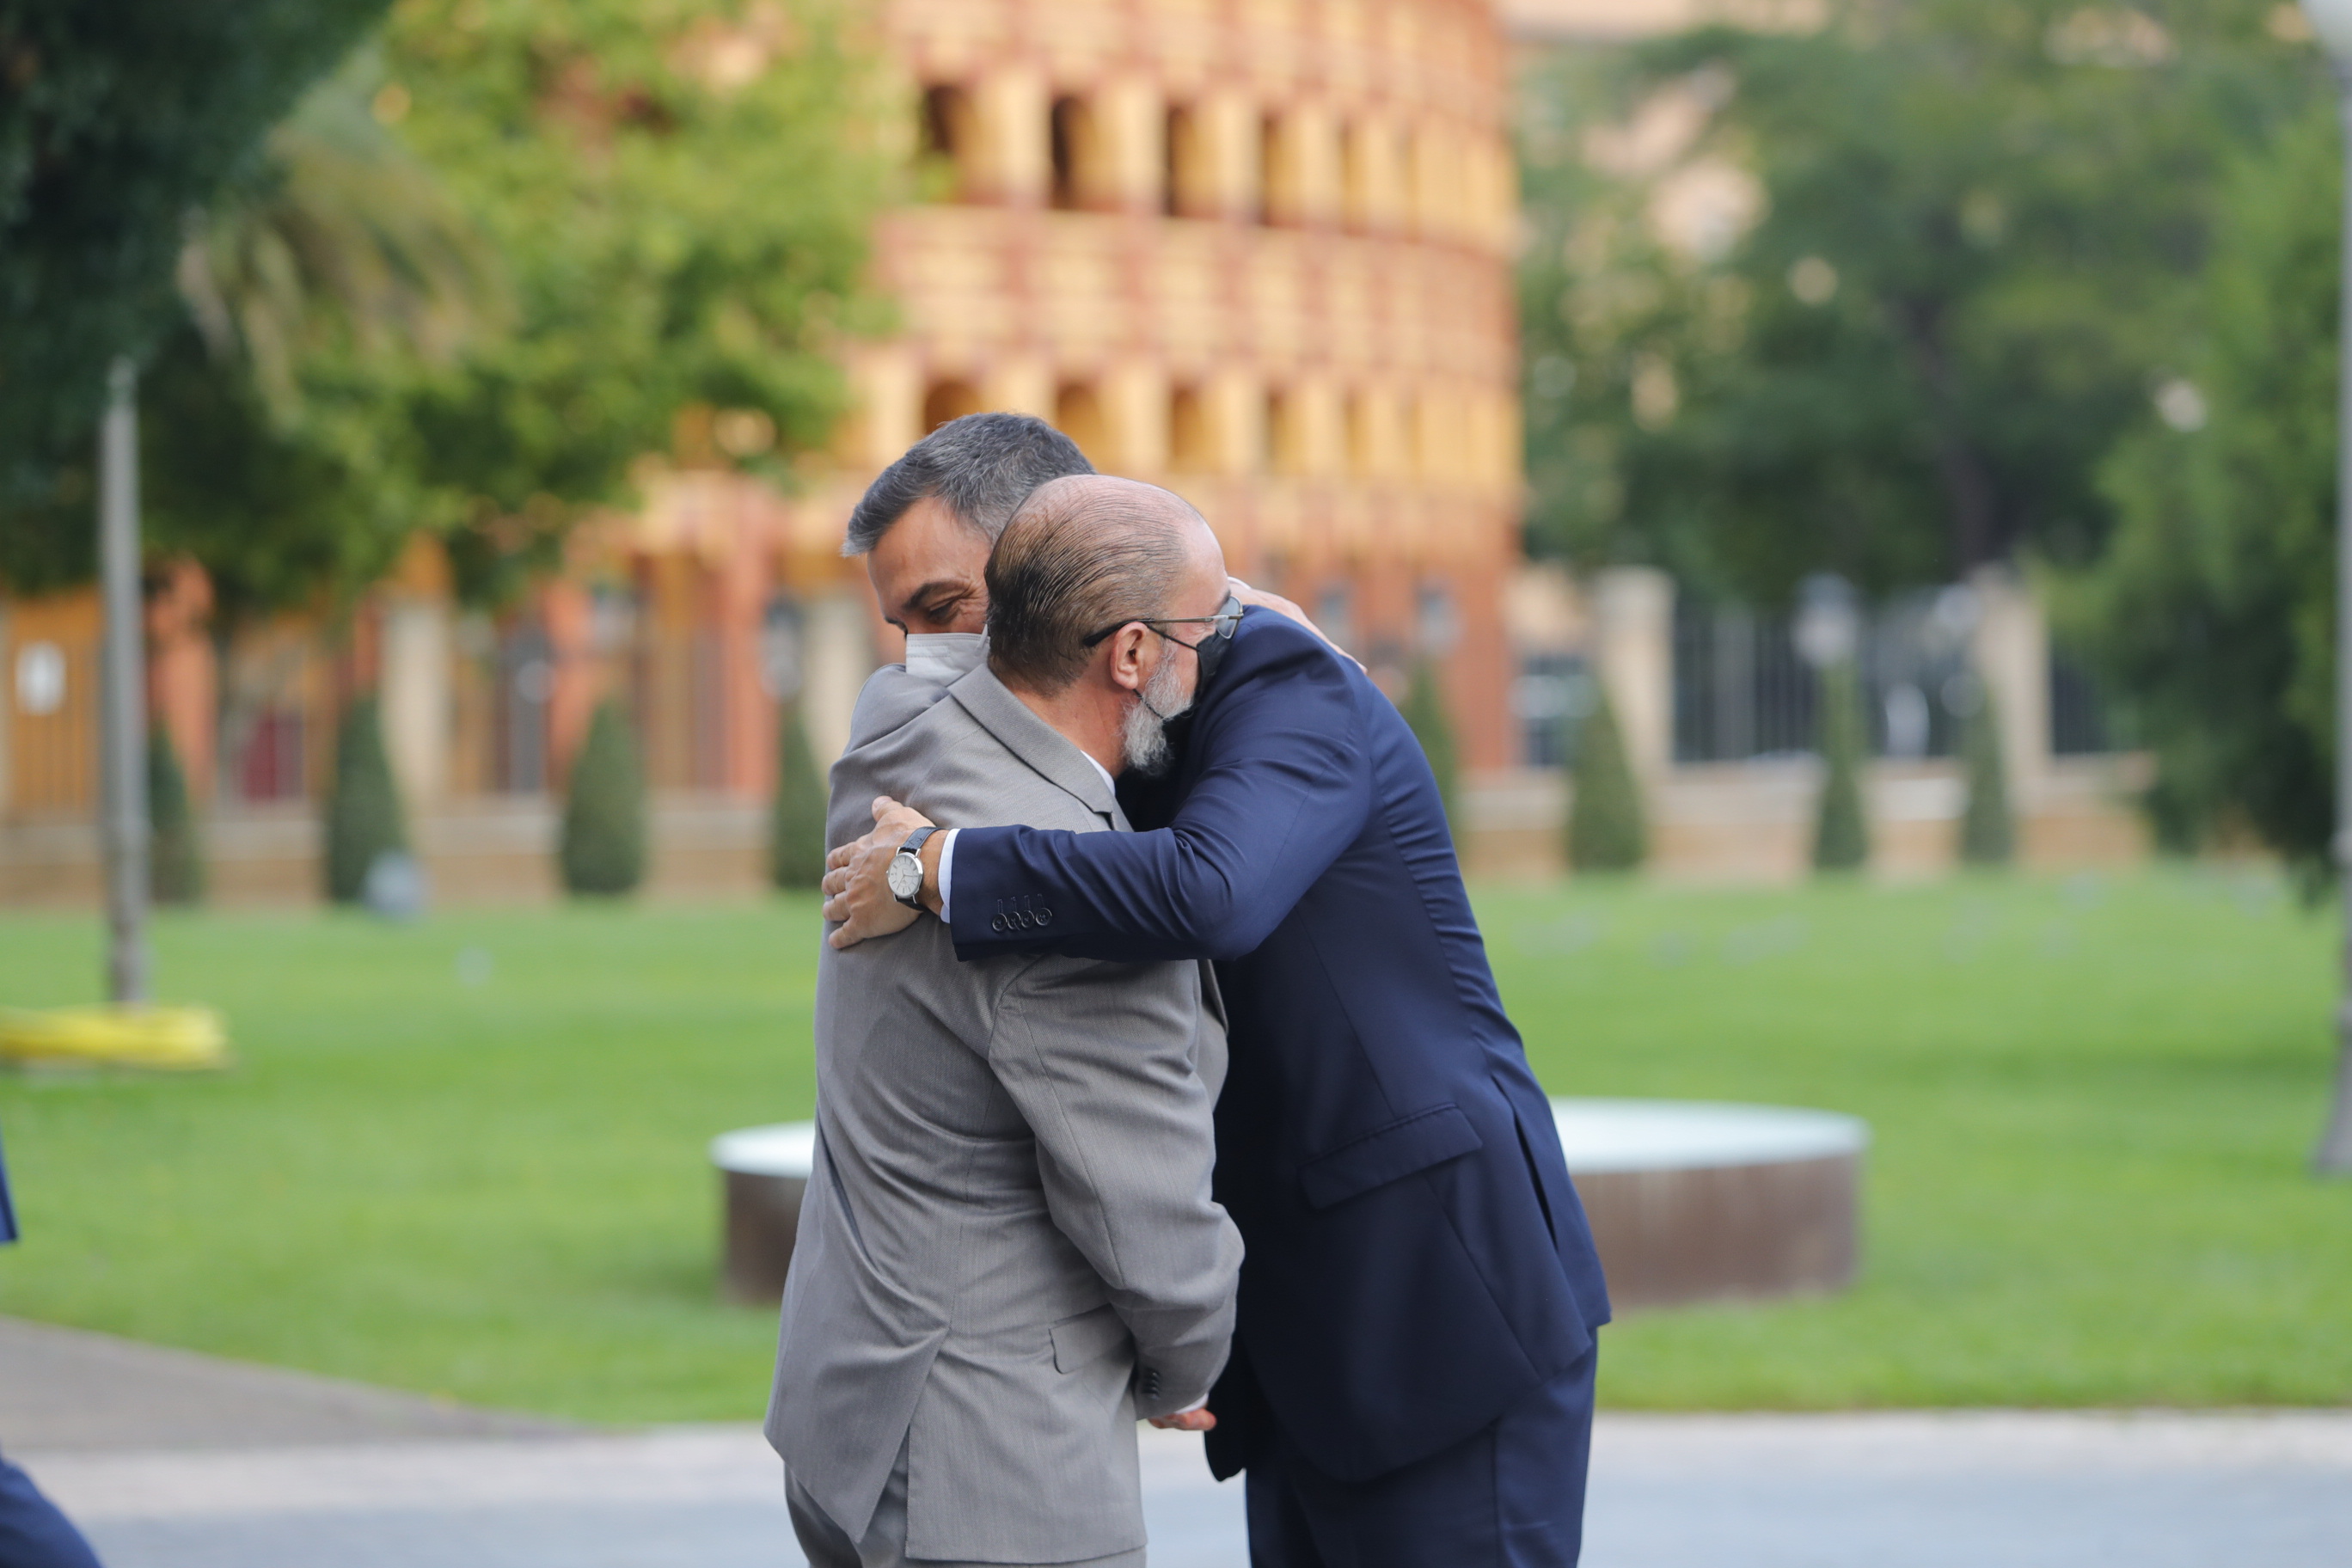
{"points": [[1550, 700], [1742, 691]]}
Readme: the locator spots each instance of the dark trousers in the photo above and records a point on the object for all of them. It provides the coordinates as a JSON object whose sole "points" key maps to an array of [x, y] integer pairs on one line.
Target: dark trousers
{"points": [[33, 1533], [1509, 1496]]}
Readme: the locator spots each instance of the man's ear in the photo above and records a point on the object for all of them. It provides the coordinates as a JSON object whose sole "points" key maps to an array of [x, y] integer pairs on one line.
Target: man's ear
{"points": [[1126, 666]]}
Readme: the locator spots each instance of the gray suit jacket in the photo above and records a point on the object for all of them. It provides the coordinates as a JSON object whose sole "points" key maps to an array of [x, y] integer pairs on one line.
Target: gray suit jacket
{"points": [[1008, 1252]]}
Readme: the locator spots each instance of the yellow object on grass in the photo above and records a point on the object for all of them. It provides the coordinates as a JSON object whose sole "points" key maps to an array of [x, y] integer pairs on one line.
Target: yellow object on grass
{"points": [[173, 1039]]}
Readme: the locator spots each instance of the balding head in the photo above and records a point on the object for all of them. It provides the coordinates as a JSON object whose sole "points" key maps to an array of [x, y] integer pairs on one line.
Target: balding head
{"points": [[1083, 553]]}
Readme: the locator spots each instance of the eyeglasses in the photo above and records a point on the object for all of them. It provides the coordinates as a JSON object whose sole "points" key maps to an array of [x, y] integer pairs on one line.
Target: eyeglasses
{"points": [[1226, 620], [1209, 649]]}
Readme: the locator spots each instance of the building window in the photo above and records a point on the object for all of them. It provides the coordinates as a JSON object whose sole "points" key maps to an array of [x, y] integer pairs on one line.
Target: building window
{"points": [[1285, 432], [948, 400], [1078, 413], [1191, 446], [1357, 418], [947, 137], [1186, 184], [1276, 202], [1077, 156]]}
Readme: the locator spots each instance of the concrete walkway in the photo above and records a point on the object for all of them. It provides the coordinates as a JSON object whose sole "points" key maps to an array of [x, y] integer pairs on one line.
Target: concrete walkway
{"points": [[63, 1389], [291, 1472]]}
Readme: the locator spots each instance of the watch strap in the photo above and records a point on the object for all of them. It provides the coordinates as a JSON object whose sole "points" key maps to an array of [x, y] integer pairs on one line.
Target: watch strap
{"points": [[913, 849]]}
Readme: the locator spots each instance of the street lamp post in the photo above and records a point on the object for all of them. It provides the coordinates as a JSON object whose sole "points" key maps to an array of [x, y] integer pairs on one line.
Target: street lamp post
{"points": [[124, 691], [2332, 20]]}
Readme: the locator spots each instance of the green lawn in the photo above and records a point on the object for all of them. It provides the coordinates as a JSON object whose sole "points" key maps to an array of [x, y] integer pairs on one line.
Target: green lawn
{"points": [[2091, 1101]]}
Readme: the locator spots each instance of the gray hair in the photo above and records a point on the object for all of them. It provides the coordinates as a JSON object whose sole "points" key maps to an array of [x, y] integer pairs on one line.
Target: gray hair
{"points": [[1080, 555], [981, 467]]}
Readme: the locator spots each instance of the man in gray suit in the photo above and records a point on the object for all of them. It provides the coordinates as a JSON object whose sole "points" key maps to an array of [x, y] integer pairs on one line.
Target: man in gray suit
{"points": [[1009, 1253]]}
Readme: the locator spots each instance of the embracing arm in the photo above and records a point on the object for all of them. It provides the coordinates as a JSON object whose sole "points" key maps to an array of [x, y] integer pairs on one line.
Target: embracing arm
{"points": [[1098, 1057], [1284, 790]]}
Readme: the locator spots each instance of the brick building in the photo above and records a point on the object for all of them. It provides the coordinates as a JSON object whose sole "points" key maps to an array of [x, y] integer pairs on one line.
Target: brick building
{"points": [[1257, 251]]}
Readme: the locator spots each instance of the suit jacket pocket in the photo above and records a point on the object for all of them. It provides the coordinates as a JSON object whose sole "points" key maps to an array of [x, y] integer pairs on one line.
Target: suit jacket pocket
{"points": [[1414, 1142], [1088, 1338]]}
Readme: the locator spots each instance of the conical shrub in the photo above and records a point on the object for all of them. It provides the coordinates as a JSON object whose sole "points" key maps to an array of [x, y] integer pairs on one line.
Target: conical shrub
{"points": [[1988, 832], [1424, 710], [363, 815], [604, 846], [176, 865], [1841, 828], [1607, 828], [796, 819]]}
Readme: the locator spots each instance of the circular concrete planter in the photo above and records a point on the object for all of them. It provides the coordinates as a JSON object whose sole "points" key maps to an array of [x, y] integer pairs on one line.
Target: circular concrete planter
{"points": [[1688, 1201], [1692, 1201], [763, 1173]]}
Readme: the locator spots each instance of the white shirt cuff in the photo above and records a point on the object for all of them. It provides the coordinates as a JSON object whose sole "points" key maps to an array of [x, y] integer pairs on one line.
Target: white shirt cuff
{"points": [[947, 870]]}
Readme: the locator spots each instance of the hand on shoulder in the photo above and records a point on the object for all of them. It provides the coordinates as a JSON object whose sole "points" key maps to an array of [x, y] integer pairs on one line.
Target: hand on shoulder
{"points": [[857, 878]]}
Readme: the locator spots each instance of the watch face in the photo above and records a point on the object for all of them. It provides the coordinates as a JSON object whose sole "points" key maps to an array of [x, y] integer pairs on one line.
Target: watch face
{"points": [[905, 875]]}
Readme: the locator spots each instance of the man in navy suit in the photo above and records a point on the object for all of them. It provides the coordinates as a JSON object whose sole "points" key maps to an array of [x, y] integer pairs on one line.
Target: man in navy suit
{"points": [[33, 1533], [1411, 1381]]}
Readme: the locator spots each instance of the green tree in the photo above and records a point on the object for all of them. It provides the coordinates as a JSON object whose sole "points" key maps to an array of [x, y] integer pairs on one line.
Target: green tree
{"points": [[602, 850], [476, 277], [2213, 612], [1607, 828], [681, 198], [175, 864], [796, 844], [320, 293], [116, 121], [1988, 832], [1424, 711], [363, 815], [1973, 222], [1840, 823]]}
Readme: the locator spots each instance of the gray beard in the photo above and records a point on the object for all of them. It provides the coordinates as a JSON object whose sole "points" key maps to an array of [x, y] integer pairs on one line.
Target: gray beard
{"points": [[1145, 743]]}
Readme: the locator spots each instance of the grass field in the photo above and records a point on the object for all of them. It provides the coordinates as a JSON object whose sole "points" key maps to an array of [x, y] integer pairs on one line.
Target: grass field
{"points": [[467, 1156]]}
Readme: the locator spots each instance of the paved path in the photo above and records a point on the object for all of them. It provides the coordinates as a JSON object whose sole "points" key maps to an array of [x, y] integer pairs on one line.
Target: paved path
{"points": [[62, 1388], [296, 1472]]}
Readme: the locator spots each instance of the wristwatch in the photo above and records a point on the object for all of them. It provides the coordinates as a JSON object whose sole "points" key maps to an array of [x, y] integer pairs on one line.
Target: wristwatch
{"points": [[906, 869]]}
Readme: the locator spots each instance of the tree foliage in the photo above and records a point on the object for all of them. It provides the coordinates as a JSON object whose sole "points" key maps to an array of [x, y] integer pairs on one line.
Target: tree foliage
{"points": [[483, 270], [1607, 828], [117, 118], [175, 859], [602, 850], [320, 293], [1973, 219], [1988, 832], [680, 194], [1424, 711], [363, 815], [1840, 820], [2213, 610], [796, 846]]}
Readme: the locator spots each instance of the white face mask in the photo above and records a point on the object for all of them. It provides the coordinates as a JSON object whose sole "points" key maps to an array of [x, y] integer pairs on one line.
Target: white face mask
{"points": [[944, 658]]}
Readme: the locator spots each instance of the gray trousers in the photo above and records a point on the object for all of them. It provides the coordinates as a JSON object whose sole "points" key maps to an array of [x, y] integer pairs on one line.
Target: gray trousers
{"points": [[884, 1544]]}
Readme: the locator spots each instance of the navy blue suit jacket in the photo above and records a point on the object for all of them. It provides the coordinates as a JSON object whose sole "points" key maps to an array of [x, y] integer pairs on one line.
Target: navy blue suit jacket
{"points": [[1418, 1259], [7, 1210]]}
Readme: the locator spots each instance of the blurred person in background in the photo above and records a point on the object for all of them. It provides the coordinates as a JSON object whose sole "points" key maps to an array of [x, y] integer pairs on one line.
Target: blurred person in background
{"points": [[33, 1533]]}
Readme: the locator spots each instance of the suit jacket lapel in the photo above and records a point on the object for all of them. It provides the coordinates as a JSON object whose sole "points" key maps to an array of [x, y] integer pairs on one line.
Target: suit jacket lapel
{"points": [[1036, 743]]}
